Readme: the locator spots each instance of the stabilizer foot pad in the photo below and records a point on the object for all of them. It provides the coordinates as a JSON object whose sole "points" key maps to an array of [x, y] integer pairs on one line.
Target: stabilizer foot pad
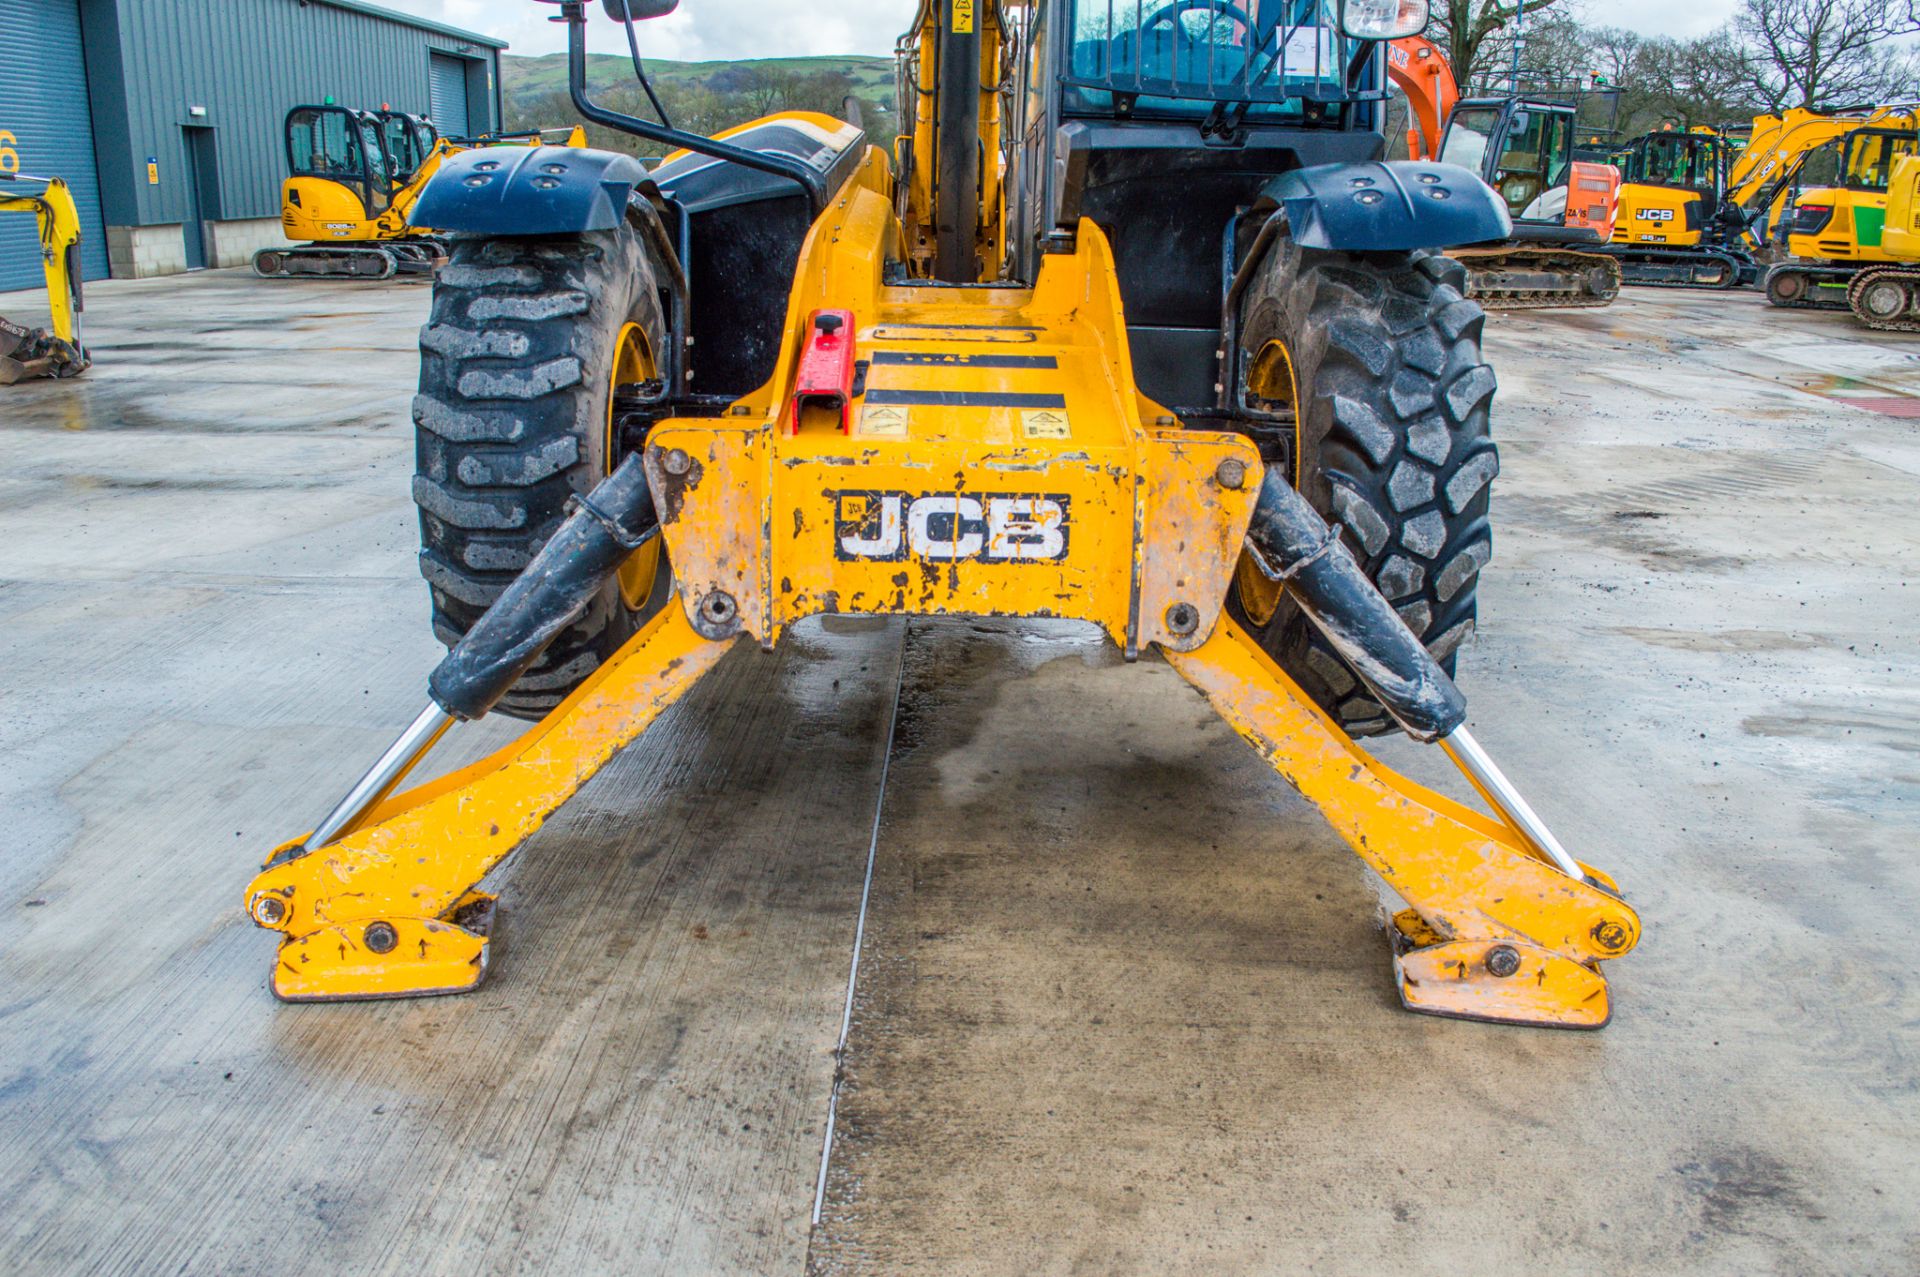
{"points": [[1504, 981], [389, 957]]}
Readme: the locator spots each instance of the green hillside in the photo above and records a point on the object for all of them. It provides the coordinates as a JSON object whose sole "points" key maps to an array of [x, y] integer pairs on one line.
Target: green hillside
{"points": [[527, 77], [702, 97]]}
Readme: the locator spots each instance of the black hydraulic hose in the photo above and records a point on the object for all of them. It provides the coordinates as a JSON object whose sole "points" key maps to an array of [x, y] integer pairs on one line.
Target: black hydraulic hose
{"points": [[956, 196], [574, 13], [1333, 591], [551, 593]]}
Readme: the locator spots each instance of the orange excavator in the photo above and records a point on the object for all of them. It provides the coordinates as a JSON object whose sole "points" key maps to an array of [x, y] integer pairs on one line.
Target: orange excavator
{"points": [[1420, 69], [1521, 145]]}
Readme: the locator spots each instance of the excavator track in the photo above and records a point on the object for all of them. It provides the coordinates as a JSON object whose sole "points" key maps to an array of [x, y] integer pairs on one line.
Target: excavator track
{"points": [[1885, 297], [1538, 278], [341, 261], [1809, 286], [1680, 268]]}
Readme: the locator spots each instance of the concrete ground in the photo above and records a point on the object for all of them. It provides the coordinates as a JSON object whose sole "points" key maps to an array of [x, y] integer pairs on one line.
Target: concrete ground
{"points": [[1123, 1003]]}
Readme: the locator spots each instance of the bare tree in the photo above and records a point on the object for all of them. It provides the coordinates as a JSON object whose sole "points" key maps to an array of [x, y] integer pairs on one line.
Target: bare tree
{"points": [[1689, 82], [1827, 53], [1472, 31]]}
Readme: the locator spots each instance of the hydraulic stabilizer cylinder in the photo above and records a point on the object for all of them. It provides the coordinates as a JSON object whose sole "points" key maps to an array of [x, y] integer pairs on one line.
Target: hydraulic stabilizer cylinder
{"points": [[1299, 549], [551, 593]]}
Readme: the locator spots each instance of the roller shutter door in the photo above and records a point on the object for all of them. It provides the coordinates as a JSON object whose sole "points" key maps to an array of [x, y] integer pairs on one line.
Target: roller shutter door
{"points": [[447, 94], [46, 128]]}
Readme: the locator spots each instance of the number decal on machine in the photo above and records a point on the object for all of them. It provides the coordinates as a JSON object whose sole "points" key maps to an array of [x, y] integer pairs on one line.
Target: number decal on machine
{"points": [[946, 527], [1655, 214], [9, 154]]}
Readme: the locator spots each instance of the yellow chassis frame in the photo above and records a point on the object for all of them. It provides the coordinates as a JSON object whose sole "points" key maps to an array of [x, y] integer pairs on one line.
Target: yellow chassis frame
{"points": [[999, 460]]}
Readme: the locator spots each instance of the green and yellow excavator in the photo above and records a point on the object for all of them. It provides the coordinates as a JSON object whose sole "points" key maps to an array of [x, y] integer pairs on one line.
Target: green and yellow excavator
{"points": [[1886, 295], [1836, 231]]}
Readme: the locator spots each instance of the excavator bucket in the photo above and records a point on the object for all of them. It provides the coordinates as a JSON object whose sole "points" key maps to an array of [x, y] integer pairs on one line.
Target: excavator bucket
{"points": [[932, 436]]}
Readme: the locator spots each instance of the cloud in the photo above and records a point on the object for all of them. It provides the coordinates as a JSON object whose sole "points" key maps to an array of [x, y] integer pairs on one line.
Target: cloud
{"points": [[704, 30]]}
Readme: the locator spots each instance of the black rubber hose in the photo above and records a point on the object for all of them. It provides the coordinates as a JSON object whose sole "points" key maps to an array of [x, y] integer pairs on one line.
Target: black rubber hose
{"points": [[1326, 583], [956, 196], [550, 593]]}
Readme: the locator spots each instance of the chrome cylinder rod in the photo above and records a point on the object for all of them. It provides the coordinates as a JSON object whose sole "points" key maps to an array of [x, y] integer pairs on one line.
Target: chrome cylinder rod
{"points": [[1467, 755], [380, 779]]}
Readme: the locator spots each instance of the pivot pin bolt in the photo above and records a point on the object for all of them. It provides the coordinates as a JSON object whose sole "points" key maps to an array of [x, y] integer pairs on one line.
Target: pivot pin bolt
{"points": [[1183, 619], [1610, 935], [676, 461], [268, 911], [1503, 960], [380, 937], [1231, 473]]}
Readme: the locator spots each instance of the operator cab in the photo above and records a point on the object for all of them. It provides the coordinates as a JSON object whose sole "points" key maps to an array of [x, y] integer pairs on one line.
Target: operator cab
{"points": [[1695, 162], [1522, 149], [409, 139], [1870, 156], [334, 144]]}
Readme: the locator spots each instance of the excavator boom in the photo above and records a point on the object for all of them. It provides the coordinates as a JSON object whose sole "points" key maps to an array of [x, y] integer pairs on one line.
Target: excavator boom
{"points": [[57, 352]]}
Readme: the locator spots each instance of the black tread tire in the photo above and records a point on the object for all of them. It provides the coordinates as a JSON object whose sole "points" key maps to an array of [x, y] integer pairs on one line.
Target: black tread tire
{"points": [[1394, 439], [511, 422]]}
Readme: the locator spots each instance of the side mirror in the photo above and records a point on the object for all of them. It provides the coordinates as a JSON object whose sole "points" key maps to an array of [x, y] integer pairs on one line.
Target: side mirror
{"points": [[628, 10]]}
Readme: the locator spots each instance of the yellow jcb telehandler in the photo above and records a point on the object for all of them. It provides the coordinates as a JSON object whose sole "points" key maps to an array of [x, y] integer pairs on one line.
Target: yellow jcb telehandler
{"points": [[40, 352], [1134, 327]]}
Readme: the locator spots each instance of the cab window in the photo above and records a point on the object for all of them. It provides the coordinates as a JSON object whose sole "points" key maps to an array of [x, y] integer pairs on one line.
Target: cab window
{"points": [[323, 143]]}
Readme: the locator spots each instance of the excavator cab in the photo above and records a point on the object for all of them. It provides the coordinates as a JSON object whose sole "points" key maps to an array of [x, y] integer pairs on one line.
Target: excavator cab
{"points": [[339, 168], [408, 139], [1522, 149]]}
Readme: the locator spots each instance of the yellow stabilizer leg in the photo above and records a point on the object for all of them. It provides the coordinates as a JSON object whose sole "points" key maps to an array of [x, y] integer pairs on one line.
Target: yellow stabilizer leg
{"points": [[1495, 931], [389, 910]]}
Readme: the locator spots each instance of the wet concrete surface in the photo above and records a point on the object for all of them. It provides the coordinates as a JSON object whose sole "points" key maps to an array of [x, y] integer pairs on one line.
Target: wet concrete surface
{"points": [[1124, 1002]]}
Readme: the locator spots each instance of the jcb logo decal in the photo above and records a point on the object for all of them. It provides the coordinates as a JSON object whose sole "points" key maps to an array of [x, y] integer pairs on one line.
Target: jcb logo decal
{"points": [[945, 527], [1655, 214]]}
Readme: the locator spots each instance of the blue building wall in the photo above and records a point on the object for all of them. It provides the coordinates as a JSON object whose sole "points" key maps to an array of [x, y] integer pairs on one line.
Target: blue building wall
{"points": [[244, 63]]}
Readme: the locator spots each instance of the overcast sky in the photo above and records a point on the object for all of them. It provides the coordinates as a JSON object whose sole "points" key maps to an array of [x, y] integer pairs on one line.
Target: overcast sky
{"points": [[712, 29]]}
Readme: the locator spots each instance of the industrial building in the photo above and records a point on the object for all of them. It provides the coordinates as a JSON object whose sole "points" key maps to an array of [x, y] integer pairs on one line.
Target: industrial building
{"points": [[165, 116]]}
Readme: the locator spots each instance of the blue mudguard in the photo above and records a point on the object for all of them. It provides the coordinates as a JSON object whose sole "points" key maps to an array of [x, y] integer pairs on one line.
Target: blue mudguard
{"points": [[528, 190], [1391, 205]]}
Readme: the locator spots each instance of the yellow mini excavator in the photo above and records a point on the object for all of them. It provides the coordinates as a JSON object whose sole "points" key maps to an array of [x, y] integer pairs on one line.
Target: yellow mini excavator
{"points": [[1836, 231], [1887, 295], [1134, 327], [37, 352], [353, 177]]}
